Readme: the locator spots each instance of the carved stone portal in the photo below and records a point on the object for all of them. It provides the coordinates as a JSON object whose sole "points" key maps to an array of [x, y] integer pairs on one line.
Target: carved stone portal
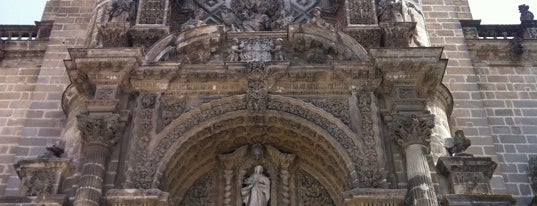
{"points": [[257, 175]]}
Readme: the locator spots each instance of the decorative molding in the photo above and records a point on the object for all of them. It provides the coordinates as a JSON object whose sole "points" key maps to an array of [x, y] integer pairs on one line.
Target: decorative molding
{"points": [[133, 197]]}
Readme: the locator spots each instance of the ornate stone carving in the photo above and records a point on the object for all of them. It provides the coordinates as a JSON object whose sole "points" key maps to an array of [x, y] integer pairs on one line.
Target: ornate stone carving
{"points": [[390, 11], [42, 176], [337, 107], [123, 11], [203, 192], [257, 50], [256, 93], [256, 189], [99, 130], [246, 15], [317, 20], [171, 107], [310, 191], [460, 144], [370, 173], [467, 174], [361, 12], [398, 34], [525, 13], [144, 173], [532, 34], [152, 12], [195, 21], [113, 34], [411, 129]]}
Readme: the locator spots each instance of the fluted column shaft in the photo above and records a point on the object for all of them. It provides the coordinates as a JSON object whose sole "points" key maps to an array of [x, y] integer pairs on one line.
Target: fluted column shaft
{"points": [[420, 182], [91, 181], [100, 134]]}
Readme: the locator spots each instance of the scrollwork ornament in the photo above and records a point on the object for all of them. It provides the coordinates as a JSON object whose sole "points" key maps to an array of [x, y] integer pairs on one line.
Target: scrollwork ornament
{"points": [[99, 130]]}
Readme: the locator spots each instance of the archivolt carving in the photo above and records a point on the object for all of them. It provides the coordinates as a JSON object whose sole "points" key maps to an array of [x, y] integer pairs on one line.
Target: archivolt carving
{"points": [[187, 127]]}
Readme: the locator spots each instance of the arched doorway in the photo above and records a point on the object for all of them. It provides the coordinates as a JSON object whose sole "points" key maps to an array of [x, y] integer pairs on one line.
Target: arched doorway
{"points": [[190, 153]]}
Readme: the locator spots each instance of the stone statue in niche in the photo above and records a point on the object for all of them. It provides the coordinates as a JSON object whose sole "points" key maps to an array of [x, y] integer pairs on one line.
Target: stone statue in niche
{"points": [[277, 53], [122, 11], [318, 20], [195, 21], [525, 13], [390, 11], [283, 20], [255, 21], [235, 50], [256, 189], [412, 13]]}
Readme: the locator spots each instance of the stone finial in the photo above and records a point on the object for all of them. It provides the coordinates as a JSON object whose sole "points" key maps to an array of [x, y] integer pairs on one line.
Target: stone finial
{"points": [[460, 144], [532, 163], [525, 14]]}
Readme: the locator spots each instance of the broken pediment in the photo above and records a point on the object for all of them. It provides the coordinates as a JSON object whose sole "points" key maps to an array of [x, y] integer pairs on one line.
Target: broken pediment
{"points": [[212, 44]]}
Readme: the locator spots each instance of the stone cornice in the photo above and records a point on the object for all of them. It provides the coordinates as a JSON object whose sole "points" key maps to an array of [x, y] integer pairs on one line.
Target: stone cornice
{"points": [[90, 67], [420, 67]]}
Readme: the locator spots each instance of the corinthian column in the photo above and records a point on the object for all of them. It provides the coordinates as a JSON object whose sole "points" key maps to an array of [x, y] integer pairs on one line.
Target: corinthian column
{"points": [[99, 134], [413, 133]]}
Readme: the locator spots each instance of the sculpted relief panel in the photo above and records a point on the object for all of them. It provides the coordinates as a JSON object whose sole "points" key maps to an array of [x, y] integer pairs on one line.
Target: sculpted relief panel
{"points": [[251, 15]]}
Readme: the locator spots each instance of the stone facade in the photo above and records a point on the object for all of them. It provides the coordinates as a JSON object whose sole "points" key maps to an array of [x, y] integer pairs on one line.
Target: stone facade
{"points": [[169, 102]]}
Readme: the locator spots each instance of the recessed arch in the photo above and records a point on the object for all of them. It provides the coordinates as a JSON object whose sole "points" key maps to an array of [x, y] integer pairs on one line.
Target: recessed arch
{"points": [[200, 128]]}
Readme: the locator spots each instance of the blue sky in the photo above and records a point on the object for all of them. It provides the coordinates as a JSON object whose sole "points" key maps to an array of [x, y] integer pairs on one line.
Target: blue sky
{"points": [[489, 11]]}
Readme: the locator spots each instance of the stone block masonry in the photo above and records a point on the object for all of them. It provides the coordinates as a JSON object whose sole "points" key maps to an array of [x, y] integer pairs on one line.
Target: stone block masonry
{"points": [[35, 117]]}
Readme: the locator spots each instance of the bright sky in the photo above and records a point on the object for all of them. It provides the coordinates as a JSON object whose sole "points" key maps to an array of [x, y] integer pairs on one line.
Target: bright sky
{"points": [[489, 11]]}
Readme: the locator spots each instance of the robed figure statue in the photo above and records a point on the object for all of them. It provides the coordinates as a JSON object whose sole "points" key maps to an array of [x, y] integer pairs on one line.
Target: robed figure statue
{"points": [[256, 190]]}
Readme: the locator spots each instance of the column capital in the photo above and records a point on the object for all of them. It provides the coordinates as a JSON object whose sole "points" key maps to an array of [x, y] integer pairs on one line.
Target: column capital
{"points": [[413, 128], [99, 130]]}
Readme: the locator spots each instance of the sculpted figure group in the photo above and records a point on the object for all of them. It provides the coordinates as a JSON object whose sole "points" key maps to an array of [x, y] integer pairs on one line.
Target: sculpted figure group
{"points": [[256, 190]]}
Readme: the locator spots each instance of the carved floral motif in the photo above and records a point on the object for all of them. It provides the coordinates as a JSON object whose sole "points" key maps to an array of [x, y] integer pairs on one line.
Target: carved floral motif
{"points": [[411, 129], [337, 107], [256, 93], [99, 130], [171, 107], [152, 12], [310, 191], [203, 192]]}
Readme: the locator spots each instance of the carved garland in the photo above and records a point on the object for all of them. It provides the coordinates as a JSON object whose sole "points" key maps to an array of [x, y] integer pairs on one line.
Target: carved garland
{"points": [[146, 165]]}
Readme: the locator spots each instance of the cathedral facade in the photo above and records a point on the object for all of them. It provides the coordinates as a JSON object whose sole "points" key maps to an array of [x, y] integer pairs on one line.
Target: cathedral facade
{"points": [[267, 103]]}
